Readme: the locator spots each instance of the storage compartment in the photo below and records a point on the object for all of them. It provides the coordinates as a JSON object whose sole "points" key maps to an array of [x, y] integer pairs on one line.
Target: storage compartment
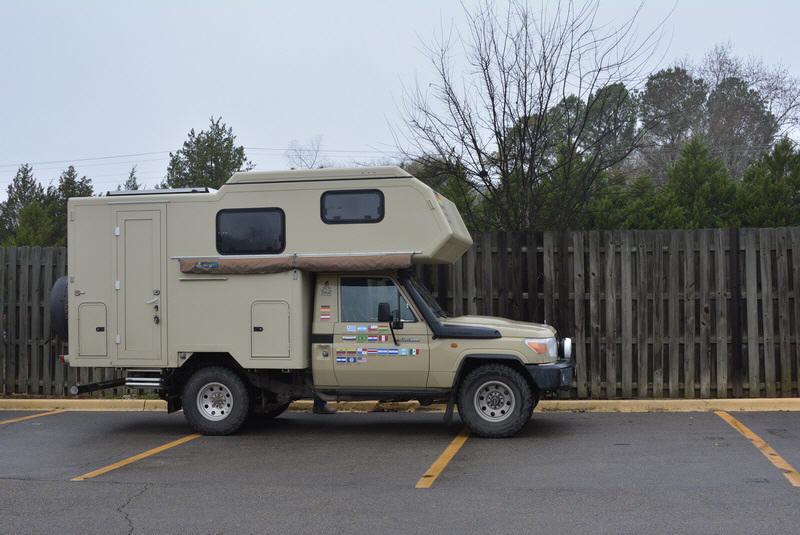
{"points": [[270, 329], [92, 330]]}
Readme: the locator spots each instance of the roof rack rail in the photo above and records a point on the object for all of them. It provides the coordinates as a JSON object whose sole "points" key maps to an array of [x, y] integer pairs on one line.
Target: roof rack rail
{"points": [[159, 191]]}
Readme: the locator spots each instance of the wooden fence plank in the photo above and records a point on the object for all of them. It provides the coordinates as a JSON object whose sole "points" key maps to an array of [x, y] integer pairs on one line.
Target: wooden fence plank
{"points": [[689, 287], [658, 315], [705, 316], [516, 276], [626, 310], [720, 285], [457, 284], [673, 318], [766, 246], [548, 260], [502, 278], [580, 317], [751, 281], [486, 274], [611, 315], [594, 312], [471, 290], [3, 323], [533, 276], [34, 342], [642, 276], [24, 315], [782, 261], [794, 235]]}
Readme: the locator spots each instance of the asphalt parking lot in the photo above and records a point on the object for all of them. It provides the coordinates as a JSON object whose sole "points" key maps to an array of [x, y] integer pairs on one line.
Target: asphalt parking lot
{"points": [[351, 472]]}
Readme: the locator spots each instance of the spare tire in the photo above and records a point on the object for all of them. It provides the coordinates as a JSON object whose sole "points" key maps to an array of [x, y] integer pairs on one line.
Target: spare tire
{"points": [[58, 309]]}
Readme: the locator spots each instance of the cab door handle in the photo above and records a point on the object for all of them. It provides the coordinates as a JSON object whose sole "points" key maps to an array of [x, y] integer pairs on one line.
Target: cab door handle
{"points": [[258, 329]]}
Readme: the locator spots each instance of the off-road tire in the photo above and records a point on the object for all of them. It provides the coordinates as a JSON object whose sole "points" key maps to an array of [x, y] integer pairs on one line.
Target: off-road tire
{"points": [[511, 388], [236, 389]]}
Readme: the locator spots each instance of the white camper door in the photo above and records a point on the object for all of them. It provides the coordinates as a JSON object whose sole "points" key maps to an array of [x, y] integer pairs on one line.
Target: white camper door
{"points": [[140, 287]]}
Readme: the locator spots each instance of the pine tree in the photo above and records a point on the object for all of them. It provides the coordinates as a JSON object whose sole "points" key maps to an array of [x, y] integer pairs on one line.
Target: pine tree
{"points": [[207, 158], [131, 183], [69, 185], [35, 226], [699, 192], [23, 190]]}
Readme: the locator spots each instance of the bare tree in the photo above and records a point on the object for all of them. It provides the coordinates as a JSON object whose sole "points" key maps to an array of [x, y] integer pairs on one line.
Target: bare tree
{"points": [[779, 90], [542, 109], [305, 155]]}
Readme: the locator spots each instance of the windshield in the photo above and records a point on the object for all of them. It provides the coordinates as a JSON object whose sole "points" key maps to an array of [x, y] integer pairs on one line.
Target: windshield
{"points": [[429, 299]]}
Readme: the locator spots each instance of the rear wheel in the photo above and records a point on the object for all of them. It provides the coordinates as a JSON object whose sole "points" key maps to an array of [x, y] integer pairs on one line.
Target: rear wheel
{"points": [[495, 401], [215, 401]]}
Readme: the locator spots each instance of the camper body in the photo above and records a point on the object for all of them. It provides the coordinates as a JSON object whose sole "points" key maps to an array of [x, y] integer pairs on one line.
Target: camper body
{"points": [[288, 285]]}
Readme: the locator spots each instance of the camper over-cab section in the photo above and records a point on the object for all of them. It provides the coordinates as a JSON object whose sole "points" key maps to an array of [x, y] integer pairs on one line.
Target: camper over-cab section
{"points": [[155, 277]]}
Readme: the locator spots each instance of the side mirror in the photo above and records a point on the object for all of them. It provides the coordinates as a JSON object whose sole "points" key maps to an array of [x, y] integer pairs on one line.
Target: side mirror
{"points": [[384, 313], [397, 323]]}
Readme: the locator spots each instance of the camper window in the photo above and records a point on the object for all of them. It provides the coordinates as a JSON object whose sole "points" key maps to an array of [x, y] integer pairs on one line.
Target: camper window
{"points": [[352, 206], [251, 231], [362, 295]]}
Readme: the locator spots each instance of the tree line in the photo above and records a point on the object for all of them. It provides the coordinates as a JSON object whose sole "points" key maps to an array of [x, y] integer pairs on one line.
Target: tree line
{"points": [[543, 120], [36, 215]]}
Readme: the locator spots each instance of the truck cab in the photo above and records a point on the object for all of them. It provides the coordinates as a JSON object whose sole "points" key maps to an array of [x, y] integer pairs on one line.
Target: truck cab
{"points": [[290, 285]]}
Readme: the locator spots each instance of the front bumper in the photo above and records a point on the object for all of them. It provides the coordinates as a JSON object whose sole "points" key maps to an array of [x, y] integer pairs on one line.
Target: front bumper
{"points": [[555, 376]]}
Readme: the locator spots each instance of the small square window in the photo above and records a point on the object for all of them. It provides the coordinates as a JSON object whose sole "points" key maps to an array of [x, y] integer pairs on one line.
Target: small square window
{"points": [[352, 206]]}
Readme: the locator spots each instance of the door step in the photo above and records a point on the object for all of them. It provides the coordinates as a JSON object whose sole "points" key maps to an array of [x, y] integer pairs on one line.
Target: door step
{"points": [[141, 378]]}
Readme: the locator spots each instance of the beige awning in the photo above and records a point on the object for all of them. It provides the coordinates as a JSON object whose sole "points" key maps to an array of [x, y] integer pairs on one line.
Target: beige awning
{"points": [[276, 264]]}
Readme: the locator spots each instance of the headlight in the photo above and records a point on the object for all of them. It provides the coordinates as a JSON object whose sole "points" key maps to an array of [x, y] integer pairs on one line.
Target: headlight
{"points": [[543, 346]]}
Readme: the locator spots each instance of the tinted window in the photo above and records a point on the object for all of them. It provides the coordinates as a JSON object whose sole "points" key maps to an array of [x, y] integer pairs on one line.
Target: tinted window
{"points": [[356, 206], [251, 231], [361, 296]]}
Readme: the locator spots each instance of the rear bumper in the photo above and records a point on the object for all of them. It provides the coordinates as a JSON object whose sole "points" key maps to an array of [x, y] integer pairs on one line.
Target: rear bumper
{"points": [[555, 376]]}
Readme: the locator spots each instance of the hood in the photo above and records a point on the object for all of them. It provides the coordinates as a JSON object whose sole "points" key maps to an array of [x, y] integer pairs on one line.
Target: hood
{"points": [[508, 328]]}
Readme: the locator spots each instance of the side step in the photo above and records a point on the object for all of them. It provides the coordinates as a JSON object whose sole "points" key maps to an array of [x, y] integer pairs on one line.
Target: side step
{"points": [[139, 378]]}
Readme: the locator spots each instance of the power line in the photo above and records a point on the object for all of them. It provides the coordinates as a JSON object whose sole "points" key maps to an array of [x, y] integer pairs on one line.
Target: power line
{"points": [[88, 159]]}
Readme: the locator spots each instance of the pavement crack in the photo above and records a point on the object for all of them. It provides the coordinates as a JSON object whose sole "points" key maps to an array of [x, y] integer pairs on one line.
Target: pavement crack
{"points": [[125, 515]]}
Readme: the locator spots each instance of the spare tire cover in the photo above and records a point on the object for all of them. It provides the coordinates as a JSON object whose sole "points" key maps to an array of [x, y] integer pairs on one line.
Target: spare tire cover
{"points": [[58, 309]]}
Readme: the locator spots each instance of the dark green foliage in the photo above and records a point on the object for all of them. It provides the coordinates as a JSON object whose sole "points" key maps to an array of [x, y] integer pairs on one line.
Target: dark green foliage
{"points": [[207, 158], [131, 183], [70, 184], [769, 195], [699, 192], [36, 226], [23, 190]]}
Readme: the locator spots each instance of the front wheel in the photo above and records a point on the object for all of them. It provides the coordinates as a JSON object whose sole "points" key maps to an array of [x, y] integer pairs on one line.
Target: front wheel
{"points": [[495, 401], [215, 401]]}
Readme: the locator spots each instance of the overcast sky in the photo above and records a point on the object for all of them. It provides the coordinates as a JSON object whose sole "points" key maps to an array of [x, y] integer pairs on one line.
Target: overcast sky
{"points": [[84, 80]]}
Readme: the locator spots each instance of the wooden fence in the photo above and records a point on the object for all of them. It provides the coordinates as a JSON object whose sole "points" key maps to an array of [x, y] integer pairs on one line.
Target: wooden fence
{"points": [[706, 313]]}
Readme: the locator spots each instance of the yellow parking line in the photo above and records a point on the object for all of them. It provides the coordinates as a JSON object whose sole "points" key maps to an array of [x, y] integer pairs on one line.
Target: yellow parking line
{"points": [[23, 418], [780, 463], [444, 459], [137, 457]]}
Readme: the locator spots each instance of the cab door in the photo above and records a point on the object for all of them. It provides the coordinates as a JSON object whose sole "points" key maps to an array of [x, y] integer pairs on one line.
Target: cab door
{"points": [[365, 353]]}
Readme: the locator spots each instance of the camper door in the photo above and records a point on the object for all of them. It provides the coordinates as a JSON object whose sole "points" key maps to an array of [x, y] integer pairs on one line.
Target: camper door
{"points": [[140, 283]]}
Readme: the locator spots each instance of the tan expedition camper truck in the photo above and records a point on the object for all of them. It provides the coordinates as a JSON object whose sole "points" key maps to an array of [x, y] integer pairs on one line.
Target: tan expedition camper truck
{"points": [[286, 285]]}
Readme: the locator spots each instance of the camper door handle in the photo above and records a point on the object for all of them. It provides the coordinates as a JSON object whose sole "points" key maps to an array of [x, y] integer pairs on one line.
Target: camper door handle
{"points": [[258, 329], [151, 301]]}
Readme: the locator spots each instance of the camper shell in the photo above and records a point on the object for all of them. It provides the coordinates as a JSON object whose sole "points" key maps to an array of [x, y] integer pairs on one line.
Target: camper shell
{"points": [[250, 278]]}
